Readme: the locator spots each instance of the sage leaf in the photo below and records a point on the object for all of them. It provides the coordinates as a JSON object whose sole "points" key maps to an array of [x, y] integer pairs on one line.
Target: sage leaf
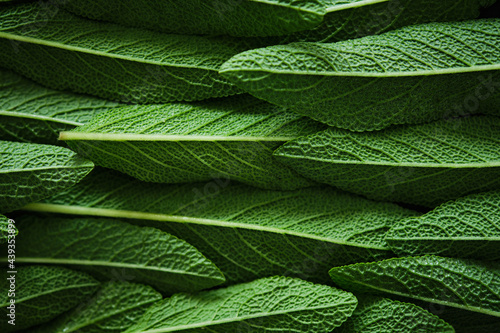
{"points": [[276, 304], [111, 249], [32, 113], [462, 320], [424, 164], [377, 314], [6, 229], [231, 139], [247, 232], [114, 308], [30, 172], [412, 75], [42, 293], [222, 17], [462, 283], [63, 51], [467, 228]]}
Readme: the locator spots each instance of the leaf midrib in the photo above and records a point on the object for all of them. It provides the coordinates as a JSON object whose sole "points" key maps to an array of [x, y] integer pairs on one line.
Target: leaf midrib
{"points": [[361, 3], [78, 166], [23, 115]]}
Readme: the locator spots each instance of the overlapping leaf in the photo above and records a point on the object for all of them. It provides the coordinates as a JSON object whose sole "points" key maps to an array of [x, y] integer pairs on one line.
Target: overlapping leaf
{"points": [[412, 75], [248, 233], [468, 227], [114, 308], [422, 164], [174, 143], [117, 250], [6, 229], [462, 283], [63, 51], [276, 304], [30, 172], [41, 293], [32, 113]]}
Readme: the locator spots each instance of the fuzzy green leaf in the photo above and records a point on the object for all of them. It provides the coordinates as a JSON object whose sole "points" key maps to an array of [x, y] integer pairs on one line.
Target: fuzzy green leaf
{"points": [[468, 228], [462, 283], [377, 314], [42, 293], [63, 51], [247, 232], [232, 138], [412, 75], [275, 304], [32, 113], [30, 172], [111, 249], [6, 229], [114, 308], [422, 164]]}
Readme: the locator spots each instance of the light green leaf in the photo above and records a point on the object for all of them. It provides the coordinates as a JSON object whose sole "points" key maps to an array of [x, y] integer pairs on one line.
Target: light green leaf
{"points": [[462, 283], [422, 164], [63, 51], [112, 249], [377, 314], [223, 17], [247, 232], [412, 75], [114, 308], [42, 293], [467, 228], [275, 304], [32, 113], [30, 172], [232, 139], [6, 228]]}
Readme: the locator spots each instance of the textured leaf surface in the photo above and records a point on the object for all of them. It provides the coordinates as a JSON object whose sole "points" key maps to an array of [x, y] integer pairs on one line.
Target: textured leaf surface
{"points": [[112, 249], [275, 304], [412, 75], [6, 229], [464, 321], [32, 113], [42, 293], [30, 172], [248, 233], [377, 314], [114, 308], [226, 17], [176, 143], [468, 228], [422, 164], [462, 283], [63, 51]]}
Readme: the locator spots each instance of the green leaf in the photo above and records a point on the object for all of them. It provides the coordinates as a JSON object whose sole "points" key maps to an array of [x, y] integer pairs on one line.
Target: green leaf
{"points": [[40, 294], [275, 304], [377, 314], [462, 283], [222, 17], [422, 164], [114, 308], [63, 51], [247, 232], [6, 229], [32, 113], [30, 172], [468, 228], [466, 321], [112, 249], [412, 75], [174, 143]]}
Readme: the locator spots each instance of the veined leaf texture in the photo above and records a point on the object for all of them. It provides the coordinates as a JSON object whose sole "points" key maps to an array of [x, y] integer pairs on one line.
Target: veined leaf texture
{"points": [[66, 52], [425, 164], [412, 75], [30, 172], [247, 232], [462, 283], [32, 113], [275, 304], [468, 227], [42, 293], [232, 139], [116, 250]]}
